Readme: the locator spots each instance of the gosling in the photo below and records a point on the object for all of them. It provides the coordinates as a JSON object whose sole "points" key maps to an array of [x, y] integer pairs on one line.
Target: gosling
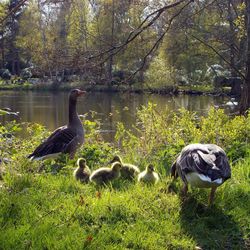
{"points": [[105, 175], [82, 172], [148, 175], [128, 171]]}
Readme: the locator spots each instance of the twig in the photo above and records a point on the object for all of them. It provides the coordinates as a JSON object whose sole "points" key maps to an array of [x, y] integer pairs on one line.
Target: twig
{"points": [[216, 52], [138, 31], [157, 43], [14, 10]]}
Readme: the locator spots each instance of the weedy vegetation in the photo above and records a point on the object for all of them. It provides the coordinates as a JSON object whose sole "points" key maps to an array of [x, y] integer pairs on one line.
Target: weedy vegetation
{"points": [[43, 207]]}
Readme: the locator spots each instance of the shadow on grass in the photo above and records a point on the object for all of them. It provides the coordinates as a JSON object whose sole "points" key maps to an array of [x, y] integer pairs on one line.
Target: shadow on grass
{"points": [[210, 227]]}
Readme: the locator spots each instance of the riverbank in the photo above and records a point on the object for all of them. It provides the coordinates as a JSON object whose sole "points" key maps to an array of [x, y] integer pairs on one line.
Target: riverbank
{"points": [[135, 88], [42, 206]]}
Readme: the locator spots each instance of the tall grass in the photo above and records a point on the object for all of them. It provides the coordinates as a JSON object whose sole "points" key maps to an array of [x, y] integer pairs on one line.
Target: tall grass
{"points": [[43, 207]]}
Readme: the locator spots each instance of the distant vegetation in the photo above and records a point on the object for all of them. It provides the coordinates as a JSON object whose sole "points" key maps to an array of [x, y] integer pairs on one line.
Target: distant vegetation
{"points": [[43, 206], [122, 44]]}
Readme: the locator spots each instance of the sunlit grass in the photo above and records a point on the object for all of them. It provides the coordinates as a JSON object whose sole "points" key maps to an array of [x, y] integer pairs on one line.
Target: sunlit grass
{"points": [[43, 207], [55, 212]]}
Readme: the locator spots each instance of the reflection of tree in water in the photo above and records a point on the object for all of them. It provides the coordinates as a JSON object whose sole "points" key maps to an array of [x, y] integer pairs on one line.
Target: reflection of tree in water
{"points": [[210, 226], [51, 109]]}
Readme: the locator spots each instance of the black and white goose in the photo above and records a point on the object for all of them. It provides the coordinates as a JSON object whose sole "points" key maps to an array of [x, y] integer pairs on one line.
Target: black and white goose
{"points": [[66, 139], [202, 166]]}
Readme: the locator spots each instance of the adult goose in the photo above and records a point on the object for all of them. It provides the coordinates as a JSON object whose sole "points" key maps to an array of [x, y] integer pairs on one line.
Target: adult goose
{"points": [[66, 139], [202, 166]]}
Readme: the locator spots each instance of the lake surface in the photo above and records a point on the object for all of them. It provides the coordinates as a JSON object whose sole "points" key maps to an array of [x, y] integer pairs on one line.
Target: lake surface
{"points": [[51, 109]]}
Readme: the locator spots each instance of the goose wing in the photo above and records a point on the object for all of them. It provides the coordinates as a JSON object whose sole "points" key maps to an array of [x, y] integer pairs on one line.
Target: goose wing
{"points": [[57, 142], [207, 159]]}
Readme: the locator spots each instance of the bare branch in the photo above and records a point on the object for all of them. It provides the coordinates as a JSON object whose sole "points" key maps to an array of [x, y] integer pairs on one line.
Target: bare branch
{"points": [[138, 30], [14, 10], [157, 43], [218, 53]]}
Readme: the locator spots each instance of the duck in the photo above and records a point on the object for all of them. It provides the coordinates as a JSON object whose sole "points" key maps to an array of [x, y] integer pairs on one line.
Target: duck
{"points": [[82, 172], [66, 139], [148, 175], [202, 166], [128, 171], [105, 175]]}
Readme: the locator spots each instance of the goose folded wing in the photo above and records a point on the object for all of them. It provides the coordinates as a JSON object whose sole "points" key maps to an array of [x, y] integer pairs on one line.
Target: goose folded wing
{"points": [[213, 166], [223, 164], [56, 143], [217, 165], [197, 161], [207, 158]]}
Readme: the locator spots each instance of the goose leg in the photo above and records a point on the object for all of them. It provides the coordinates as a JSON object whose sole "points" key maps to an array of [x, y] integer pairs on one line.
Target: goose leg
{"points": [[184, 190], [211, 197]]}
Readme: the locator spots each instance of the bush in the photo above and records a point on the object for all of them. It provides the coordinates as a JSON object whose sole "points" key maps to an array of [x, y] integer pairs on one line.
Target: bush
{"points": [[5, 74], [159, 75], [162, 133], [26, 73]]}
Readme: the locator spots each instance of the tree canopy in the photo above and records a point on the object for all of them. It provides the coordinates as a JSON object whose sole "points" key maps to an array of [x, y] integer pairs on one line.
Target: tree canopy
{"points": [[158, 42]]}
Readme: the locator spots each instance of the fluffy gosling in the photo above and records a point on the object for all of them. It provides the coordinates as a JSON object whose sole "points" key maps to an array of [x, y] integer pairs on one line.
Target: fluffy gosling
{"points": [[104, 175], [148, 175], [128, 171], [82, 172]]}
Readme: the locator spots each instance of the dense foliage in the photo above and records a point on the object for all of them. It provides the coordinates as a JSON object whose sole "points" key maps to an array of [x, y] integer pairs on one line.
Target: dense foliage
{"points": [[87, 40], [43, 207]]}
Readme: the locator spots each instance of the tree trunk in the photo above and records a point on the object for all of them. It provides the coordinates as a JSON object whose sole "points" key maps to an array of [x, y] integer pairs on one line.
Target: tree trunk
{"points": [[231, 38], [2, 53], [110, 63], [43, 35], [245, 95]]}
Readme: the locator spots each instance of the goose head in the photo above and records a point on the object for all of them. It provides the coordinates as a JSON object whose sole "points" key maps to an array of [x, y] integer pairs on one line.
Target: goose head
{"points": [[75, 93], [116, 158], [150, 168], [116, 166], [81, 162]]}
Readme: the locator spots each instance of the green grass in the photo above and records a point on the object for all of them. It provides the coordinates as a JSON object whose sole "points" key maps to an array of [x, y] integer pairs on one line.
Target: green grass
{"points": [[43, 207], [46, 211]]}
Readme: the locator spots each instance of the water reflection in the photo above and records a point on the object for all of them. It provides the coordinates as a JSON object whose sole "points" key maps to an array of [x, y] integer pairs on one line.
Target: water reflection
{"points": [[51, 108]]}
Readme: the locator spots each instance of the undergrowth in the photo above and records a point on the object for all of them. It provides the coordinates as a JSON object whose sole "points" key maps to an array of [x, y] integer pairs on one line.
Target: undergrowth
{"points": [[43, 207]]}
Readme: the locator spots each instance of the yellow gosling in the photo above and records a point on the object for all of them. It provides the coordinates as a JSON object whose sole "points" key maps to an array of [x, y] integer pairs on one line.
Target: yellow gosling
{"points": [[82, 172], [128, 171], [148, 175], [104, 175]]}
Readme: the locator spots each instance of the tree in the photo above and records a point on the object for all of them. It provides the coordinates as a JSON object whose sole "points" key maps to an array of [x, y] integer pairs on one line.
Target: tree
{"points": [[245, 96], [3, 14]]}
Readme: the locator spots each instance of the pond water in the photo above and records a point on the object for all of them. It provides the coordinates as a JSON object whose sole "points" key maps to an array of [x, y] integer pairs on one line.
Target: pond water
{"points": [[50, 108]]}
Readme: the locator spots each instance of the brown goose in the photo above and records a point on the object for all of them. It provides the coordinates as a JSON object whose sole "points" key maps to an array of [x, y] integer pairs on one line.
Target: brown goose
{"points": [[104, 175], [65, 139], [128, 171], [202, 166], [82, 172]]}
